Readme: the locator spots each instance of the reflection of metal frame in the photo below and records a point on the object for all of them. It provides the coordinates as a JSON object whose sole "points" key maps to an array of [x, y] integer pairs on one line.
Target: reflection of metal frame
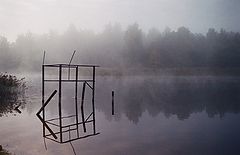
{"points": [[57, 136]]}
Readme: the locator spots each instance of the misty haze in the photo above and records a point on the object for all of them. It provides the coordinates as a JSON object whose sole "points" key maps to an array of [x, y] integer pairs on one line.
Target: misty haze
{"points": [[115, 77]]}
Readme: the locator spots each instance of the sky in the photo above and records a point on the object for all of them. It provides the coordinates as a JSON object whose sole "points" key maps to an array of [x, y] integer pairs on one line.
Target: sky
{"points": [[41, 16]]}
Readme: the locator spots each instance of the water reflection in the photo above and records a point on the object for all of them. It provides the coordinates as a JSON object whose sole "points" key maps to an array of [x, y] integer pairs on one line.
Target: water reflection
{"points": [[12, 101], [172, 96], [180, 96], [170, 115]]}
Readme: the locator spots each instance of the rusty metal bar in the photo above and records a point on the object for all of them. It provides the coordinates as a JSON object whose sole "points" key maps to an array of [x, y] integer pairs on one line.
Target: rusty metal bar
{"points": [[64, 131], [76, 99], [69, 133], [44, 54], [45, 125], [63, 80], [74, 138], [52, 139], [82, 110], [88, 117], [72, 57], [43, 99], [78, 123], [48, 100], [93, 104], [69, 72], [67, 65], [59, 118], [112, 102], [89, 85], [52, 123], [69, 68], [60, 100], [42, 119], [81, 137]]}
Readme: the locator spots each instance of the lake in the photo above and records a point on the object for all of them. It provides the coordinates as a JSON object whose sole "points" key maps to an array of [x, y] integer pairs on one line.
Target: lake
{"points": [[167, 115]]}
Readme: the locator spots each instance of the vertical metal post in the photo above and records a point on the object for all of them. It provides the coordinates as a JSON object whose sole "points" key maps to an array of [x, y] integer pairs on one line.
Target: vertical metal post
{"points": [[60, 100], [69, 133], [44, 54], [69, 68], [76, 99], [82, 110], [69, 72], [93, 104], [43, 99], [112, 102]]}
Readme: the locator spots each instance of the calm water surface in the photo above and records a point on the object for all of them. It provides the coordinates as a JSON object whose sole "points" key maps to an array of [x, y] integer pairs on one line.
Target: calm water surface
{"points": [[153, 115]]}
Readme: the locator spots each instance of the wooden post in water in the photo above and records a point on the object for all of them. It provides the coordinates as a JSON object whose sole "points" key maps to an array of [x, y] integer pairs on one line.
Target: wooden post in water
{"points": [[112, 102]]}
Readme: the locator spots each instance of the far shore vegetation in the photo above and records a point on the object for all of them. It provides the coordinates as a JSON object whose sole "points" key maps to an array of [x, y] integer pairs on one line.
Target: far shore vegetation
{"points": [[127, 51]]}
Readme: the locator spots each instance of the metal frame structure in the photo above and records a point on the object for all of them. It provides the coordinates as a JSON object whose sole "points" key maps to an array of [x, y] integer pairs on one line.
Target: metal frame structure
{"points": [[57, 136]]}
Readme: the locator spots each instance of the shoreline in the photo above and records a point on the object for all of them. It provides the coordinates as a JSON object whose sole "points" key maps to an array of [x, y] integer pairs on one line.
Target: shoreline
{"points": [[190, 71]]}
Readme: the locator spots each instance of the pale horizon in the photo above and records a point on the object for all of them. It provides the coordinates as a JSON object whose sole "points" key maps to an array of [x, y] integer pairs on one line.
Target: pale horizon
{"points": [[42, 16]]}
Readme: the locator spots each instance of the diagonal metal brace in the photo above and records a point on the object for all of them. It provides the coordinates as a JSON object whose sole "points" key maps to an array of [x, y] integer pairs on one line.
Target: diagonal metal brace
{"points": [[41, 109], [89, 85]]}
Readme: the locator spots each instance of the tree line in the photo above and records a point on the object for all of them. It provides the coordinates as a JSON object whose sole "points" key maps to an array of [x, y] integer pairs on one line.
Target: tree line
{"points": [[129, 48]]}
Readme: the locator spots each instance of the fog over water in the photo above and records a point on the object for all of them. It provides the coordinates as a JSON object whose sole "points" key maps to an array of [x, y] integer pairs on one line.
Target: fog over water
{"points": [[173, 66], [120, 34], [153, 115]]}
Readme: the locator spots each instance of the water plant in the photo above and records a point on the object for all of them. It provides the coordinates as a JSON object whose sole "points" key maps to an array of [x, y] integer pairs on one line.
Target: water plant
{"points": [[11, 90]]}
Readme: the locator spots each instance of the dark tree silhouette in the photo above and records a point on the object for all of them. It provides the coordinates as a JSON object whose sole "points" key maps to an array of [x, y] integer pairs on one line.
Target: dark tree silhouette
{"points": [[130, 48]]}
